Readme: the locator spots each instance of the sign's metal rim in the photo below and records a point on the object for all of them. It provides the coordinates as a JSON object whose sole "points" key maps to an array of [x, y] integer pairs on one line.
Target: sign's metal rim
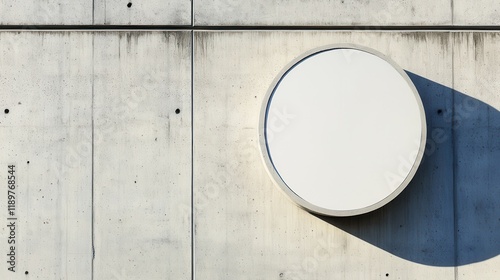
{"points": [[265, 152]]}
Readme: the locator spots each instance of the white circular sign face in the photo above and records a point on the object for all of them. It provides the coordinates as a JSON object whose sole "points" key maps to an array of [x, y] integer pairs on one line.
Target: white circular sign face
{"points": [[342, 130]]}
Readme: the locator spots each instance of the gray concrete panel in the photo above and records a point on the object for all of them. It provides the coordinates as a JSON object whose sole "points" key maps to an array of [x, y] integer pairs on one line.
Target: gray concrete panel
{"points": [[142, 155], [477, 149], [322, 12], [478, 12], [54, 12], [246, 226], [151, 12], [46, 86]]}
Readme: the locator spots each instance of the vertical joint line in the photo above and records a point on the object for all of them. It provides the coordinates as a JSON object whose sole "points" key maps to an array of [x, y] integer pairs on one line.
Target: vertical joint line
{"points": [[92, 160], [454, 161], [192, 13], [192, 161]]}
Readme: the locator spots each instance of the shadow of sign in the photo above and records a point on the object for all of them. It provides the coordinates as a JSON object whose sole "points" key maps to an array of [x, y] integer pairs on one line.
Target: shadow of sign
{"points": [[449, 215]]}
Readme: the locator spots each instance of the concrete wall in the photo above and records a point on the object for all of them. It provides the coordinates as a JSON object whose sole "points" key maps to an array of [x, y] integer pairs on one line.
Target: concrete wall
{"points": [[251, 13], [136, 152]]}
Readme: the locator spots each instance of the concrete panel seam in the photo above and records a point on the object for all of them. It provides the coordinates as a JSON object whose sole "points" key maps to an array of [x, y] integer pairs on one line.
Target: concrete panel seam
{"points": [[192, 161], [358, 28], [192, 12], [92, 166], [453, 157]]}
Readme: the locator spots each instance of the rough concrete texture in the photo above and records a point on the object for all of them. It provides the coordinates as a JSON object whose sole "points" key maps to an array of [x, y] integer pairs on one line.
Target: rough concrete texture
{"points": [[477, 154], [479, 12], [97, 123], [53, 12], [142, 155], [251, 13], [151, 12], [46, 86], [94, 115], [322, 12]]}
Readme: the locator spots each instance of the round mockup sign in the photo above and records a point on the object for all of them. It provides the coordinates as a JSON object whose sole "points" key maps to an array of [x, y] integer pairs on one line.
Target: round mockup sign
{"points": [[342, 130]]}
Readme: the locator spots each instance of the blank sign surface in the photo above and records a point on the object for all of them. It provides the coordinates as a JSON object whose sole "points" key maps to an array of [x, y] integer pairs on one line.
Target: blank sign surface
{"points": [[342, 130]]}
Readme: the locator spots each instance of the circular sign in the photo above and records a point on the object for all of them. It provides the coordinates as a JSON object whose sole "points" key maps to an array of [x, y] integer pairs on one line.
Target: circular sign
{"points": [[342, 130]]}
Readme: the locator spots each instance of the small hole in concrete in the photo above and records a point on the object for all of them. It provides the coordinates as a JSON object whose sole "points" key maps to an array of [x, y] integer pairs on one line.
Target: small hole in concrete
{"points": [[6, 111], [281, 274], [26, 272], [440, 112], [387, 274], [28, 162], [129, 4], [177, 111]]}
